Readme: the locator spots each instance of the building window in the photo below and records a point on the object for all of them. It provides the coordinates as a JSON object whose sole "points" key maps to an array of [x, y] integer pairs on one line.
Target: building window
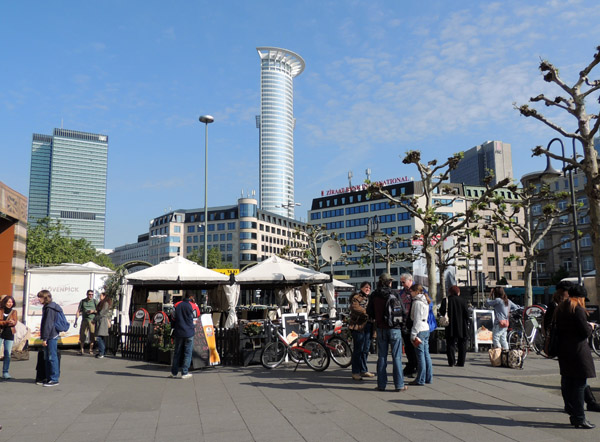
{"points": [[191, 229], [566, 244], [491, 261], [587, 263], [490, 247], [211, 227], [586, 241], [506, 247], [492, 276], [508, 275]]}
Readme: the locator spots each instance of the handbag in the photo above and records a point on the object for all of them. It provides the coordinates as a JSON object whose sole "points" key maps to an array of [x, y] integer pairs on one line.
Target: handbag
{"points": [[551, 342], [444, 321], [495, 356], [503, 323]]}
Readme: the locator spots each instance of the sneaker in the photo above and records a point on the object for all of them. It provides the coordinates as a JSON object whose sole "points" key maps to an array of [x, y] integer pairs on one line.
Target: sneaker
{"points": [[186, 376], [99, 356], [51, 384], [367, 374], [6, 376], [173, 376], [356, 377], [41, 382]]}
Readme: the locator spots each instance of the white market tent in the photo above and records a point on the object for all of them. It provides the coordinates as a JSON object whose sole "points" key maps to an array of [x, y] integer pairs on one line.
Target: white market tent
{"points": [[278, 271], [175, 273], [287, 276], [342, 286]]}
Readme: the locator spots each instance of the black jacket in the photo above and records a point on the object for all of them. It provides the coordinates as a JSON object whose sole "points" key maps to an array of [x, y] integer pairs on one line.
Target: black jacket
{"points": [[574, 353], [458, 314], [376, 306]]}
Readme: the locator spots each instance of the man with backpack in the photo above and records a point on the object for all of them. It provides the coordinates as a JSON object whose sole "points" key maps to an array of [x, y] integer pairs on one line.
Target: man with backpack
{"points": [[87, 308], [389, 314]]}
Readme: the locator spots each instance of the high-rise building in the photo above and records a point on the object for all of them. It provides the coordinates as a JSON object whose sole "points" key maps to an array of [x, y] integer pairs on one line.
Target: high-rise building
{"points": [[492, 156], [68, 182], [276, 124]]}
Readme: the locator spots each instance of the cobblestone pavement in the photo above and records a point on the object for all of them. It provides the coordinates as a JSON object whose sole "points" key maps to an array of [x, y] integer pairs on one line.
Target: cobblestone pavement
{"points": [[113, 399]]}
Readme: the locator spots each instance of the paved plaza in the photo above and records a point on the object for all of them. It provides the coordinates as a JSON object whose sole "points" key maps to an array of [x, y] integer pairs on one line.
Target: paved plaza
{"points": [[113, 399]]}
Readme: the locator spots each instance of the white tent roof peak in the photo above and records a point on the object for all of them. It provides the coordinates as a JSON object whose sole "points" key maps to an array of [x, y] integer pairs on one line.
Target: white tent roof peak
{"points": [[275, 269], [177, 269]]}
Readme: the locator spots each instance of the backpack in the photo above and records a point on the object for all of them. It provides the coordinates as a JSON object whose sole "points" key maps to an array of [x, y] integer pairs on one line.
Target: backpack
{"points": [[393, 313], [431, 319], [60, 323]]}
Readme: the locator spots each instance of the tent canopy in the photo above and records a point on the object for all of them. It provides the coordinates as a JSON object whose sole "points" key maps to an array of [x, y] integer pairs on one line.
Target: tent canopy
{"points": [[280, 272], [340, 286], [175, 273], [69, 267]]}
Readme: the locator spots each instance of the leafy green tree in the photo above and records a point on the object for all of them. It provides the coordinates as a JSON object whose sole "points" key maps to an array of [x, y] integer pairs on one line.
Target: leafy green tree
{"points": [[214, 258], [574, 102], [48, 243]]}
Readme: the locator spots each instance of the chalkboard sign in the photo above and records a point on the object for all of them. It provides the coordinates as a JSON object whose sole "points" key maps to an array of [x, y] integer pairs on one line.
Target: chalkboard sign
{"points": [[290, 324], [205, 347], [483, 322]]}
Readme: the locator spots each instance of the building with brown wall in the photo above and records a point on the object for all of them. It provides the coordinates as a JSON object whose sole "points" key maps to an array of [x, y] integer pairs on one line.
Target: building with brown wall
{"points": [[13, 236]]}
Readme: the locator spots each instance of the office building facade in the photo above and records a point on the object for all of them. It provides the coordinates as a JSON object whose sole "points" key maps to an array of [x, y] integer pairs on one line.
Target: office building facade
{"points": [[68, 182], [494, 156], [347, 211], [242, 233], [278, 68]]}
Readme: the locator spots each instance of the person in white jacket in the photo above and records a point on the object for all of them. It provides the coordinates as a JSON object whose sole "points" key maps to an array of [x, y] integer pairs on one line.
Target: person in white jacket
{"points": [[419, 334]]}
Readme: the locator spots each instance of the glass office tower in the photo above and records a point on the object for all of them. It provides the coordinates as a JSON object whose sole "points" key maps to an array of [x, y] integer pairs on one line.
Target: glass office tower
{"points": [[68, 182], [276, 123]]}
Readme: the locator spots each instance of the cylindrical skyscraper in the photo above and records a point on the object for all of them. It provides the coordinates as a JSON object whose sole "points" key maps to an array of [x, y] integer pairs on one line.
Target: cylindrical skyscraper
{"points": [[276, 123]]}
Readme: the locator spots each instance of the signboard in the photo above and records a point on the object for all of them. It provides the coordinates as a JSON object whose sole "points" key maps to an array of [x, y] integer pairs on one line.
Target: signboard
{"points": [[359, 187], [483, 322], [227, 271], [290, 325], [205, 353]]}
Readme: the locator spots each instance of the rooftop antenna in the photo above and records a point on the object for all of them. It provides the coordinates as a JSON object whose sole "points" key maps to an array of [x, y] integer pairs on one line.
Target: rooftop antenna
{"points": [[350, 175], [242, 193], [368, 172], [61, 123], [253, 193]]}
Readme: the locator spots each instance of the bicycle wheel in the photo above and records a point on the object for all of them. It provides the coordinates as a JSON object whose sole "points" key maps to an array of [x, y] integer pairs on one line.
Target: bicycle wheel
{"points": [[595, 341], [538, 342], [273, 355], [316, 356], [296, 356], [516, 340], [340, 351]]}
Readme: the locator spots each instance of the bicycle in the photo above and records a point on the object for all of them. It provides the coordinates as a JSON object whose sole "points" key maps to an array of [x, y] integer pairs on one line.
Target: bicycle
{"points": [[338, 348], [303, 347], [595, 340], [526, 335]]}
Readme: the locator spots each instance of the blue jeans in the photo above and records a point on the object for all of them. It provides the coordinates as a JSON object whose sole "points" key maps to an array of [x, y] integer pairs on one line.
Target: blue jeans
{"points": [[392, 337], [362, 344], [424, 367], [51, 357], [183, 346], [7, 349], [499, 336], [101, 345]]}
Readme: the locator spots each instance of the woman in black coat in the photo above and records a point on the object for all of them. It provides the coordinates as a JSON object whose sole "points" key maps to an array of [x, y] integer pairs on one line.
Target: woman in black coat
{"points": [[458, 328], [574, 354]]}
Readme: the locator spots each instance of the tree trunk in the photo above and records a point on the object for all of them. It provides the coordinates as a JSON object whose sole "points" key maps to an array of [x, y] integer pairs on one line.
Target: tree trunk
{"points": [[527, 272], [431, 267]]}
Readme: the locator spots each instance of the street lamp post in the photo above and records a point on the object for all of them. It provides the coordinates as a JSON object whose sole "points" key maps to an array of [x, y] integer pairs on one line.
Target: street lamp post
{"points": [[550, 171], [372, 232], [206, 119]]}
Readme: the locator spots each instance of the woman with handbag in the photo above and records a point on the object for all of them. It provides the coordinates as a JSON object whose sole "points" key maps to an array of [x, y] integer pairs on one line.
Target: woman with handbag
{"points": [[361, 328], [574, 354], [419, 334], [8, 321], [102, 320], [502, 307], [456, 309]]}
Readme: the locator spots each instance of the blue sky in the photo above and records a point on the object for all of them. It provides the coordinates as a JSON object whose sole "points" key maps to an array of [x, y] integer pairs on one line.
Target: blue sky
{"points": [[381, 77]]}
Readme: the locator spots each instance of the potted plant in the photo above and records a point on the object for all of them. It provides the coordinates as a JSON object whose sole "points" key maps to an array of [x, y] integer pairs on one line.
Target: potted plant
{"points": [[162, 341]]}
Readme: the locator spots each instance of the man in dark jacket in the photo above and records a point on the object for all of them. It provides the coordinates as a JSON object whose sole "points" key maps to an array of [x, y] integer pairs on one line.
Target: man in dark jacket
{"points": [[49, 337], [457, 330], [386, 336], [406, 282], [183, 332]]}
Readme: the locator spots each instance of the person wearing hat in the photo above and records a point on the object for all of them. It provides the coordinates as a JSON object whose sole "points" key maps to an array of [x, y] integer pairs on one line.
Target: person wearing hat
{"points": [[386, 336], [574, 354]]}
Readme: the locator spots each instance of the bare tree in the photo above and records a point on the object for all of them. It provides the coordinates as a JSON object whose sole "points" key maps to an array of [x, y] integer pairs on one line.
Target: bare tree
{"points": [[508, 215], [383, 250], [436, 194], [574, 102]]}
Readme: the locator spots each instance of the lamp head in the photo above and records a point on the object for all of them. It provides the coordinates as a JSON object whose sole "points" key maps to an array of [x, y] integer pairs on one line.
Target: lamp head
{"points": [[206, 119]]}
